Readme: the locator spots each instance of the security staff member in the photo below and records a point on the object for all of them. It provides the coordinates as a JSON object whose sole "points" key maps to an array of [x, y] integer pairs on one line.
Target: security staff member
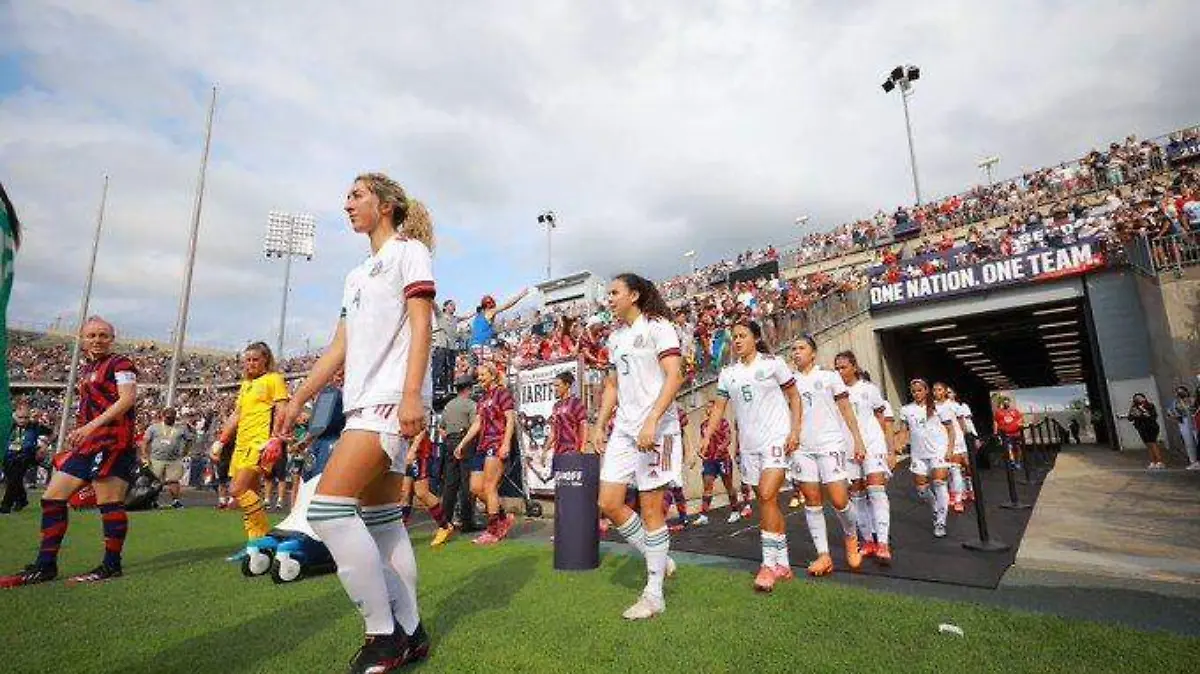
{"points": [[457, 417]]}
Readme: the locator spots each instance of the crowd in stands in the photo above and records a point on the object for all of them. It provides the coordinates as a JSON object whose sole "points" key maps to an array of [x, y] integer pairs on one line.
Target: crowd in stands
{"points": [[1112, 196]]}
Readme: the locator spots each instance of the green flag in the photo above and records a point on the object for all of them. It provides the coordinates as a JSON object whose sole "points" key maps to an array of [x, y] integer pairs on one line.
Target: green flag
{"points": [[10, 233]]}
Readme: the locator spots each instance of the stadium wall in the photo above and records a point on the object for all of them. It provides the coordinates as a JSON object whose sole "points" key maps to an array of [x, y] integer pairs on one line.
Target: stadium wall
{"points": [[1172, 311]]}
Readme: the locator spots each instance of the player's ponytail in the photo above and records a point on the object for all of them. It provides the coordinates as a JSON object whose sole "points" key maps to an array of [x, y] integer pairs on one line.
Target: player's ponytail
{"points": [[649, 301], [418, 225]]}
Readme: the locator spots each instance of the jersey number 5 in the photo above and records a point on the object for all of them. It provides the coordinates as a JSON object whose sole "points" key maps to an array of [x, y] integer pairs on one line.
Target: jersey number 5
{"points": [[625, 368]]}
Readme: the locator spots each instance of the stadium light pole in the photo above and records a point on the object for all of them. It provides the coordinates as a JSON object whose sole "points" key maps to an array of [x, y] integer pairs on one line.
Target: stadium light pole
{"points": [[185, 292], [548, 219], [84, 301], [288, 235], [987, 163], [691, 257], [902, 77]]}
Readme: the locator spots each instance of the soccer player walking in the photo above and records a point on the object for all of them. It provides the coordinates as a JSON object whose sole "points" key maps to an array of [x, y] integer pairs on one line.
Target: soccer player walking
{"points": [[929, 432], [263, 393], [762, 389], [100, 451], [494, 425], [869, 478], [383, 339], [821, 461], [644, 447], [717, 462]]}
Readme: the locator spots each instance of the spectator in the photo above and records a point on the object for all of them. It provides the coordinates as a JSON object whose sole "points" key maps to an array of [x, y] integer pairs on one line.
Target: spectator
{"points": [[1144, 417], [26, 439], [1182, 411], [163, 447]]}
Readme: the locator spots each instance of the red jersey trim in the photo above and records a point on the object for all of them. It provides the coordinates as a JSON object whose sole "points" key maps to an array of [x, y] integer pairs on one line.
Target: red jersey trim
{"points": [[668, 353], [423, 289]]}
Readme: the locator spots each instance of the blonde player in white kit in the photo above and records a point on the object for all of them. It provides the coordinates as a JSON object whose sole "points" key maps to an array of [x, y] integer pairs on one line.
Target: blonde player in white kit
{"points": [[762, 390], [644, 448], [929, 433], [383, 341], [869, 478], [823, 454]]}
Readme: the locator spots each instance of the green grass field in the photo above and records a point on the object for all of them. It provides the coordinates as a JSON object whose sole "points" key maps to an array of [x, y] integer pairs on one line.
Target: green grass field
{"points": [[180, 608]]}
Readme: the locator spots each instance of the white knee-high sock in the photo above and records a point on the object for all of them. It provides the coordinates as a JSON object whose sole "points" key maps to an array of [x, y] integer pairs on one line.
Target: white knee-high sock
{"points": [[815, 517], [336, 521], [957, 486], [385, 523], [774, 549], [658, 543], [862, 515], [941, 501], [881, 512], [634, 533], [845, 518]]}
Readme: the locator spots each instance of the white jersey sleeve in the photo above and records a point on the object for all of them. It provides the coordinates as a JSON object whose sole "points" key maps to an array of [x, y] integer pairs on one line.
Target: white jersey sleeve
{"points": [[416, 270], [723, 383], [666, 339], [783, 374]]}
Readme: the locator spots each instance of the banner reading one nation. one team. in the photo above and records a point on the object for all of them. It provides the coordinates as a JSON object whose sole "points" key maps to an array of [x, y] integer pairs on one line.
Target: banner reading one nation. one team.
{"points": [[535, 402], [1038, 264]]}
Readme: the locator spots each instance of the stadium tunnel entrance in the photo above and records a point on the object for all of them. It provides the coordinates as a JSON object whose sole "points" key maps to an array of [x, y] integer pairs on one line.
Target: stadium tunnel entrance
{"points": [[1031, 338]]}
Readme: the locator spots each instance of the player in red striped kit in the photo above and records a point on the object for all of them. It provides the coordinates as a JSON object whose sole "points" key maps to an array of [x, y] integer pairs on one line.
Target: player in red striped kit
{"points": [[494, 424], [675, 494], [568, 419], [717, 463], [101, 452], [417, 463]]}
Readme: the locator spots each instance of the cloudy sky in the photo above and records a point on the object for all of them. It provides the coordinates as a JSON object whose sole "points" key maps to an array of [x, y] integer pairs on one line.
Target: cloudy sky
{"points": [[650, 128]]}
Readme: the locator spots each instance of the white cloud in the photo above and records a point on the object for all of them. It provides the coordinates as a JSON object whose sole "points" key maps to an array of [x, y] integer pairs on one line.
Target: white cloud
{"points": [[650, 128]]}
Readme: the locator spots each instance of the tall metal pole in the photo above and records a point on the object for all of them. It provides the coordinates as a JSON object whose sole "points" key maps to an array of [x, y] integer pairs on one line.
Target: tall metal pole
{"points": [[185, 292], [905, 88], [84, 301], [549, 249], [287, 282]]}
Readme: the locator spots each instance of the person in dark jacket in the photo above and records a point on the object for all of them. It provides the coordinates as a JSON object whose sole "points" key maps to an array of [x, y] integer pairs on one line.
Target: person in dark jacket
{"points": [[1144, 417], [21, 447]]}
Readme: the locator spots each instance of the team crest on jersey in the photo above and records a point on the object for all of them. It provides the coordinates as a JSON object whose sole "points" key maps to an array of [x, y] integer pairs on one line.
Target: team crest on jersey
{"points": [[761, 375], [376, 269], [639, 341], [818, 384]]}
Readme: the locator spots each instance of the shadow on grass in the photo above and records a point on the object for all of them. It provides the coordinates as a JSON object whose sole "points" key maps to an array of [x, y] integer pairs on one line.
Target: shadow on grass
{"points": [[178, 558], [240, 648], [630, 572], [487, 588]]}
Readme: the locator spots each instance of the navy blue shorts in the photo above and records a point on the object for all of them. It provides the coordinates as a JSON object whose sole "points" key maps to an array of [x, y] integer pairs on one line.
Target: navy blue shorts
{"points": [[481, 456], [419, 469], [717, 467], [102, 464]]}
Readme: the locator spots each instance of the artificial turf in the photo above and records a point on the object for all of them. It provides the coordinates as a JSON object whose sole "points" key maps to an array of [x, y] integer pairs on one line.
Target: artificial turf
{"points": [[181, 608]]}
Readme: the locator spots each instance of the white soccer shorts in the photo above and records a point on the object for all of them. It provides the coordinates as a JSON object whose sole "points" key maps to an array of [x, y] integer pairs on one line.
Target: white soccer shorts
{"points": [[383, 420], [755, 461], [822, 467], [923, 467], [874, 463], [624, 463]]}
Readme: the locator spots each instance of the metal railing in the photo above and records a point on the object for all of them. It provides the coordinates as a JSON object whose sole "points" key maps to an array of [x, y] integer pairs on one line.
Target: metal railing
{"points": [[1159, 255]]}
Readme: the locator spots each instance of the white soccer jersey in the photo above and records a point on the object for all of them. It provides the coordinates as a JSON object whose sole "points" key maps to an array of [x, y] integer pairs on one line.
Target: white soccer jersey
{"points": [[756, 391], [822, 430], [964, 411], [635, 354], [951, 409], [926, 435], [866, 399], [378, 332]]}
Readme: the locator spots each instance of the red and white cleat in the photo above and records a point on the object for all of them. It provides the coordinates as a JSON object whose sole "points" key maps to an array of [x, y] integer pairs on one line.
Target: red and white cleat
{"points": [[782, 573], [765, 580]]}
